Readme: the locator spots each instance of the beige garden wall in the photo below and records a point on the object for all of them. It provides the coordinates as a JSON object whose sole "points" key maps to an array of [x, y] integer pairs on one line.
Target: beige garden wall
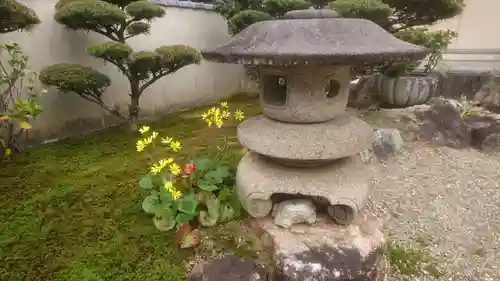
{"points": [[477, 27], [66, 114]]}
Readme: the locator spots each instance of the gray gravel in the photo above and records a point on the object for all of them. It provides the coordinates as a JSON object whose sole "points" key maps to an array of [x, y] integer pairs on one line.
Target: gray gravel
{"points": [[449, 198]]}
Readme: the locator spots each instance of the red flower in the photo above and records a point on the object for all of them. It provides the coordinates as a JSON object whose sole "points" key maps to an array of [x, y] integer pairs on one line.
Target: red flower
{"points": [[189, 168]]}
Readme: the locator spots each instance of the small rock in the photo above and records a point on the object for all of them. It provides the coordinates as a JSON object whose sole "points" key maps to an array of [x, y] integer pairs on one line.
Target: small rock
{"points": [[485, 132], [441, 123], [387, 142], [229, 268], [367, 156], [488, 96], [288, 213], [362, 93]]}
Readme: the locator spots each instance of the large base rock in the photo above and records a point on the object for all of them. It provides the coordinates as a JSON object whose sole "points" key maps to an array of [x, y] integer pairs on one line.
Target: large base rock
{"points": [[229, 268], [344, 183], [325, 251]]}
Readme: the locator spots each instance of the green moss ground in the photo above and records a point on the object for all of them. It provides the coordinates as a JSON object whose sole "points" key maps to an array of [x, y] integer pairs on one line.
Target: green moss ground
{"points": [[71, 211]]}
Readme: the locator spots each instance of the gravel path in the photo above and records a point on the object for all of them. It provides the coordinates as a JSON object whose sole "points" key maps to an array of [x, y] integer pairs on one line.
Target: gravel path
{"points": [[449, 198]]}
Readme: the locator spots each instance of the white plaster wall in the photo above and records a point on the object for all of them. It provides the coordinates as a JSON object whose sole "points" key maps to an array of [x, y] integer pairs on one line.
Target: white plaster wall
{"points": [[477, 26], [65, 114]]}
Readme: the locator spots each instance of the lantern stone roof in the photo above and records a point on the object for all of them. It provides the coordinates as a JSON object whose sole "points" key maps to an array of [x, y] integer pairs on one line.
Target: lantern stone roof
{"points": [[314, 37]]}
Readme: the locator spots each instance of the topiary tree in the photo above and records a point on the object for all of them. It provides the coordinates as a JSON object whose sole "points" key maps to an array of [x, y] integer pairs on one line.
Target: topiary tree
{"points": [[118, 20], [242, 13], [405, 19], [16, 16]]}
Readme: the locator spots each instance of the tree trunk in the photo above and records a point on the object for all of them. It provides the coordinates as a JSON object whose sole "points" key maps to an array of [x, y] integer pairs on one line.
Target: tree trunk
{"points": [[133, 110]]}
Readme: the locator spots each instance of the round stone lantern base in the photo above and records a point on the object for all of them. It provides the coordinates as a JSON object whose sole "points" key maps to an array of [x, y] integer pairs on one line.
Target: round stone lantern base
{"points": [[345, 184], [305, 143]]}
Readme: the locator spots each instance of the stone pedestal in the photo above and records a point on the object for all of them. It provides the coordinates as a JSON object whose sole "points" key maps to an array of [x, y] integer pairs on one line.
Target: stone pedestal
{"points": [[345, 182]]}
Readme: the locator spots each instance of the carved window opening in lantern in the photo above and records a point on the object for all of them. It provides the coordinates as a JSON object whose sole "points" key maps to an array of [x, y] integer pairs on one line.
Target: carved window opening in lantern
{"points": [[275, 89], [332, 88]]}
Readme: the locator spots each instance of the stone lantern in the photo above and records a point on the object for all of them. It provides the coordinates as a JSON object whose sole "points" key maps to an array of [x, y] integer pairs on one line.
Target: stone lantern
{"points": [[304, 143]]}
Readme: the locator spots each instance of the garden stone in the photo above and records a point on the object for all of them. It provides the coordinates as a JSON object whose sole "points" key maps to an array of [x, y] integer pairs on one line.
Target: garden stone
{"points": [[290, 212], [229, 268], [387, 142], [367, 156], [485, 132], [488, 95], [326, 252], [441, 123], [363, 93]]}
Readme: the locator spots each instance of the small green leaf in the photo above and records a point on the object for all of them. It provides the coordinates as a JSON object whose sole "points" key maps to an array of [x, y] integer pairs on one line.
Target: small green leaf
{"points": [[187, 204], [164, 219], [218, 175], [146, 182], [24, 125], [202, 164], [211, 216], [166, 198], [235, 204], [151, 203], [183, 218], [227, 213], [206, 220], [225, 194], [163, 224], [207, 186]]}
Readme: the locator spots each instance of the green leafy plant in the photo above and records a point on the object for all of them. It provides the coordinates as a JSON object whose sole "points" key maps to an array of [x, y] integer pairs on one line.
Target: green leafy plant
{"points": [[241, 14], [435, 41], [118, 21], [401, 18], [18, 94], [468, 108], [411, 261], [201, 193]]}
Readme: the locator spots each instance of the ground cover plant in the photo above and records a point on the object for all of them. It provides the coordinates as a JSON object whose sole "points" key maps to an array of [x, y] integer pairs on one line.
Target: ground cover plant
{"points": [[72, 210]]}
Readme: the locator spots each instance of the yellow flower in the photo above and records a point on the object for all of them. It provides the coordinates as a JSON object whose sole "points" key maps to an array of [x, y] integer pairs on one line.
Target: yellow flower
{"points": [[238, 115], [226, 114], [144, 129], [169, 186], [166, 140], [155, 169], [219, 122], [154, 135], [175, 169], [158, 167], [175, 146], [205, 116], [224, 104], [140, 145], [176, 194]]}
